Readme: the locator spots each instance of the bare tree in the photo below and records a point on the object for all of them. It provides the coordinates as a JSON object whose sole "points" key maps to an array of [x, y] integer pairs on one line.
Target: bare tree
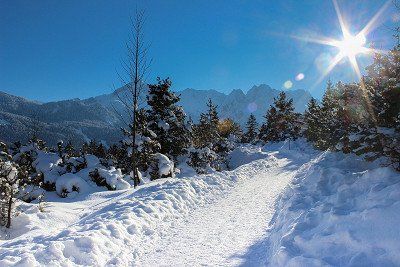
{"points": [[134, 70]]}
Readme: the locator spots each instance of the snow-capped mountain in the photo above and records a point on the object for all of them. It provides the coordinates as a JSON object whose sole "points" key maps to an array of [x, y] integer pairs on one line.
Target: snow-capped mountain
{"points": [[236, 105], [96, 117]]}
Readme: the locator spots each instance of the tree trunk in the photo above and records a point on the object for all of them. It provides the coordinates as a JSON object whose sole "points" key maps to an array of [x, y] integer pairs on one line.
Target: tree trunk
{"points": [[135, 100], [10, 202]]}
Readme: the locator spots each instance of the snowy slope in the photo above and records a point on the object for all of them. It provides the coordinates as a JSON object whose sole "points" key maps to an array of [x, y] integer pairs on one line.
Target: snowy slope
{"points": [[338, 211], [297, 207], [107, 228]]}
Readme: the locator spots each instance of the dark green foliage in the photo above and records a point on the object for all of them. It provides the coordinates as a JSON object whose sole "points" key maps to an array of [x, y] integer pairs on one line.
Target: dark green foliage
{"points": [[362, 118], [94, 148], [99, 180], [167, 120], [312, 118], [206, 132], [146, 145], [10, 184], [251, 134], [210, 139], [282, 122]]}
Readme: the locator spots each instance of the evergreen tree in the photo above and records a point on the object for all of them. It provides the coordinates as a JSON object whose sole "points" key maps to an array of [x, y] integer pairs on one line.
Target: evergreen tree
{"points": [[312, 121], [94, 148], [251, 135], [281, 121], [269, 130], [206, 132], [329, 122], [25, 156], [167, 119], [145, 146], [378, 133], [211, 144]]}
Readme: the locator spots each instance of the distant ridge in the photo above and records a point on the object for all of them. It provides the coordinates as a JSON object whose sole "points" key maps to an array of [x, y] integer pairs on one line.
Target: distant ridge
{"points": [[95, 117]]}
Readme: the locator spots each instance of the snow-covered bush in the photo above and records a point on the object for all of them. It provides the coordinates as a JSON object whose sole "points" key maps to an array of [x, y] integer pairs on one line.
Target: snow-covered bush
{"points": [[68, 183], [24, 156], [161, 167], [112, 178], [203, 159], [75, 164]]}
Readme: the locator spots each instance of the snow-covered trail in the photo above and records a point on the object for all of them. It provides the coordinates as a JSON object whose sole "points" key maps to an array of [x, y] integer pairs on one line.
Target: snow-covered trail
{"points": [[217, 219], [223, 233]]}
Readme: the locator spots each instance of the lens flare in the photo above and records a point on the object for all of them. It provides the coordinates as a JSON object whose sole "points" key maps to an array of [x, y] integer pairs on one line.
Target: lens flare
{"points": [[350, 46], [288, 84], [252, 107], [299, 77]]}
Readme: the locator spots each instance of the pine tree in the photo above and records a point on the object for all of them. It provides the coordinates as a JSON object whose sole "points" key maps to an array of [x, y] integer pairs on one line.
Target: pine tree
{"points": [[282, 122], [329, 122], [206, 132], [251, 133], [167, 119], [145, 146], [378, 135], [210, 147], [270, 130], [25, 156], [312, 120], [94, 148]]}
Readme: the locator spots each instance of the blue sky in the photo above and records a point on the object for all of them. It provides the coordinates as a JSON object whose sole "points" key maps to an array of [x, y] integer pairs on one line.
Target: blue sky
{"points": [[52, 50]]}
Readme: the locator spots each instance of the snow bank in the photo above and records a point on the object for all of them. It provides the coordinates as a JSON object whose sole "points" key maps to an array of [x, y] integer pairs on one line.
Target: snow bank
{"points": [[77, 179], [46, 161], [113, 226], [339, 211], [245, 154], [114, 178], [68, 183]]}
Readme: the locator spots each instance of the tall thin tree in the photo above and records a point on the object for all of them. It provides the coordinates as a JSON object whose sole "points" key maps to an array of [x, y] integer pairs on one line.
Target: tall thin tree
{"points": [[134, 67]]}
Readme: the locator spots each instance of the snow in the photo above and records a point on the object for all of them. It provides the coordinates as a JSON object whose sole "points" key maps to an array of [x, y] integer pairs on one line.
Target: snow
{"points": [[165, 165], [69, 182], [164, 125], [114, 178], [119, 228], [284, 205], [46, 161], [245, 154], [338, 211]]}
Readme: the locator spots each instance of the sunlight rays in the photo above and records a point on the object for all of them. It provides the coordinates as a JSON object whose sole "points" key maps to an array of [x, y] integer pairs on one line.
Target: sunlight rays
{"points": [[350, 46]]}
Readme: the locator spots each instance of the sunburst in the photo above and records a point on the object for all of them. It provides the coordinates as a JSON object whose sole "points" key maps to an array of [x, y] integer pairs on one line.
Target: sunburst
{"points": [[350, 45]]}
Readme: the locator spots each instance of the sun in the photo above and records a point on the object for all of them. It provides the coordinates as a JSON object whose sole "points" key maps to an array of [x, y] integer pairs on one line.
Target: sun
{"points": [[350, 46]]}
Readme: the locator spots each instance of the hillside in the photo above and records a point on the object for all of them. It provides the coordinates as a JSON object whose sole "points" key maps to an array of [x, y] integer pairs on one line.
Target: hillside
{"points": [[279, 207], [95, 118]]}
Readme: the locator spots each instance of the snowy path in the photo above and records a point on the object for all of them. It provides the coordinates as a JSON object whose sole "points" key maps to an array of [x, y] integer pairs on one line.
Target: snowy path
{"points": [[218, 219], [224, 232], [327, 216]]}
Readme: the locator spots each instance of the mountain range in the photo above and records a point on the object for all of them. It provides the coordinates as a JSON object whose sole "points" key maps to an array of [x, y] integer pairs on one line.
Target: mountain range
{"points": [[98, 117]]}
